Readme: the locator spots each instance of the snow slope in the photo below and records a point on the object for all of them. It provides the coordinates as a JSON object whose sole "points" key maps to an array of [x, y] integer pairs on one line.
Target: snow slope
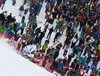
{"points": [[12, 64]]}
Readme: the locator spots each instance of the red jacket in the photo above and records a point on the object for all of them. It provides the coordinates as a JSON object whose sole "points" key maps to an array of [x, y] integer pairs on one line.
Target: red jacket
{"points": [[55, 7], [0, 3], [82, 16], [32, 1], [42, 0], [97, 26], [88, 30], [51, 5], [92, 18], [60, 12], [92, 74]]}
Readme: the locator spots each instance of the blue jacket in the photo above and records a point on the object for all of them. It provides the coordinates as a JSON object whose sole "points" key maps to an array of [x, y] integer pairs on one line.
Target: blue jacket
{"points": [[47, 6], [3, 1], [40, 6], [91, 14], [78, 54], [53, 1], [23, 25], [72, 30], [76, 48], [72, 6], [74, 25], [94, 69], [98, 37], [87, 14], [95, 35], [98, 32], [79, 37], [83, 1], [98, 9], [60, 66], [18, 27], [0, 25], [86, 66], [7, 32], [33, 30], [83, 60], [11, 34], [84, 29]]}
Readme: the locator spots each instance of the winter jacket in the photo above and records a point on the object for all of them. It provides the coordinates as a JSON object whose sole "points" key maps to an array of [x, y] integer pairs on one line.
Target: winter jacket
{"points": [[2, 29], [96, 72], [40, 6], [23, 25], [76, 49], [98, 46], [78, 55], [11, 34], [46, 27], [47, 6], [17, 27], [90, 63], [52, 53], [98, 9], [57, 34], [38, 30], [92, 74], [86, 66], [50, 30], [0, 3], [42, 35], [45, 47], [54, 14], [98, 32], [53, 0], [34, 19], [83, 60], [0, 25], [60, 66], [73, 73], [11, 26], [60, 12], [94, 69], [88, 30], [3, 1], [7, 31], [58, 24], [2, 18], [9, 17], [77, 73], [25, 11], [21, 8], [79, 60]]}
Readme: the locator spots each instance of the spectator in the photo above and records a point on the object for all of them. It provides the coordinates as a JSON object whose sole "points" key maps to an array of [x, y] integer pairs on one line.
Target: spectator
{"points": [[21, 9]]}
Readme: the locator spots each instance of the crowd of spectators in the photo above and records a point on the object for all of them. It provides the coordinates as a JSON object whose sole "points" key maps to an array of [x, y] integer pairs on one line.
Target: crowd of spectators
{"points": [[81, 21]]}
